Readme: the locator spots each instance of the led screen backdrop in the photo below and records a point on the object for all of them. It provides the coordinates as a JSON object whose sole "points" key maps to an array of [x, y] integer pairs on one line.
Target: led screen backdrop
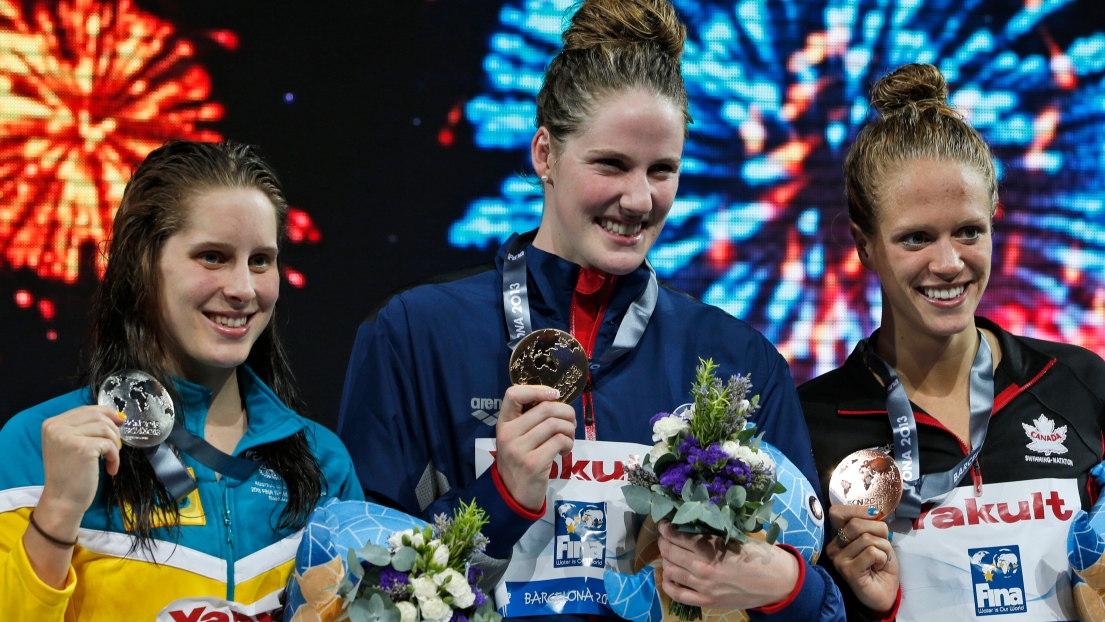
{"points": [[402, 133]]}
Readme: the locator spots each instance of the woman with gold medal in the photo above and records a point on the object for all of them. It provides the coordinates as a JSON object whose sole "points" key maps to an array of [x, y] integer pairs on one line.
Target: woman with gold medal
{"points": [[428, 386]]}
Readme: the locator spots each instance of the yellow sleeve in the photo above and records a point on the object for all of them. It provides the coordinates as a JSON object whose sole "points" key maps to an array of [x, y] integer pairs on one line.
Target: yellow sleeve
{"points": [[23, 596]]}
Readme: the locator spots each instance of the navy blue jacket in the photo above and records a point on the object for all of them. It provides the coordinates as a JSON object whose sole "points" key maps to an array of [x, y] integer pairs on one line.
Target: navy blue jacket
{"points": [[427, 374]]}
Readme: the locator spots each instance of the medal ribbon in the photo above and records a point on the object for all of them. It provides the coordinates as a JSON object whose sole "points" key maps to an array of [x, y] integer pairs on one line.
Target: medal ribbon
{"points": [[172, 472], [516, 302], [917, 488]]}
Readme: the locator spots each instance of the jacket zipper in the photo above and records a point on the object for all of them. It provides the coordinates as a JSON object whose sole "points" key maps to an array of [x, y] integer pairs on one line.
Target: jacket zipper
{"points": [[229, 541]]}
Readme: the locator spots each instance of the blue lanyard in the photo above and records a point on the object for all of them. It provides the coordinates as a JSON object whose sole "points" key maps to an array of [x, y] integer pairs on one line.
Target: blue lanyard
{"points": [[918, 488], [516, 302]]}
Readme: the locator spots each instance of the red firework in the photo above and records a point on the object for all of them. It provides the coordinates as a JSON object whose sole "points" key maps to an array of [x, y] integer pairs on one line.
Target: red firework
{"points": [[87, 89]]}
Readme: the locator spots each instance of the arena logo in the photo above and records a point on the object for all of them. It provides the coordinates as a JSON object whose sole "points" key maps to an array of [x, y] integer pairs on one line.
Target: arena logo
{"points": [[998, 581], [580, 534], [486, 409], [975, 513]]}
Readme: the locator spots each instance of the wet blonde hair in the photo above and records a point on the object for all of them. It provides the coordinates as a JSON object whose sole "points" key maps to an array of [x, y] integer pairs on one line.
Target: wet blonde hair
{"points": [[610, 47], [914, 122]]}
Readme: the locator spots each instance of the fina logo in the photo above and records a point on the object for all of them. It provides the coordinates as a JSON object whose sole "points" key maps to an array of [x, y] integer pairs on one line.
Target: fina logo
{"points": [[580, 534], [998, 582]]}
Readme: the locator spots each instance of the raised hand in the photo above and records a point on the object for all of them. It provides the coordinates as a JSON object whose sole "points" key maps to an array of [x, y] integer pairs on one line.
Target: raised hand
{"points": [[863, 555], [532, 430]]}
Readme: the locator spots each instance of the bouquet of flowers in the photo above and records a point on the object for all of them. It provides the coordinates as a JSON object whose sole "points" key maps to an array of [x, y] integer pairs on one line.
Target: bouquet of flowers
{"points": [[416, 574], [706, 472]]}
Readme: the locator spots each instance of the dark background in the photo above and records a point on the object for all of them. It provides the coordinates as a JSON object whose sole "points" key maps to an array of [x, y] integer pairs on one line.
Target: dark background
{"points": [[357, 147]]}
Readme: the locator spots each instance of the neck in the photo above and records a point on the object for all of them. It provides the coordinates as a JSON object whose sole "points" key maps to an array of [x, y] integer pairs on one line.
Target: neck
{"points": [[931, 363], [227, 408]]}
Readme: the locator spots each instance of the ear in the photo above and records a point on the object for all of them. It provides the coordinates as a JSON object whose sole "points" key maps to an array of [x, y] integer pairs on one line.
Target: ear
{"points": [[540, 152], [863, 245]]}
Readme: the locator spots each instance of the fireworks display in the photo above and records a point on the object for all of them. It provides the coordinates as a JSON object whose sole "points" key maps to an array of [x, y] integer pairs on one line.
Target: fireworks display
{"points": [[87, 89], [778, 92]]}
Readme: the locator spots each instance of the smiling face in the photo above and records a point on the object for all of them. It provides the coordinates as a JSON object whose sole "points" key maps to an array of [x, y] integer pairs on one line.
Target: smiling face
{"points": [[219, 281], [609, 190], [931, 247]]}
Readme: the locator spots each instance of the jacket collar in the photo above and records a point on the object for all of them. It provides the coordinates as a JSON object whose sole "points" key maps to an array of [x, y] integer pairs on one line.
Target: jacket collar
{"points": [[552, 282], [269, 419], [1019, 365]]}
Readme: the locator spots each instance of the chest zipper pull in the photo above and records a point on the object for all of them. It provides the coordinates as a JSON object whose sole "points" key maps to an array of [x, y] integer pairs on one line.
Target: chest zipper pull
{"points": [[976, 475], [589, 410]]}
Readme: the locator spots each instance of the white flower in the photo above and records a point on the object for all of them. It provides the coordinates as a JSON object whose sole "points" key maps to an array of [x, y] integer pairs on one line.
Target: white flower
{"points": [[417, 539], [668, 427], [407, 611], [441, 555], [455, 583], [396, 539], [659, 449], [744, 406], [732, 448], [435, 609], [424, 588]]}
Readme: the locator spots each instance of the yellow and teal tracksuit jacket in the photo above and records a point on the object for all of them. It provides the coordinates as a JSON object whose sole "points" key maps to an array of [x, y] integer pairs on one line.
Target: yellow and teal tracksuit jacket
{"points": [[227, 562]]}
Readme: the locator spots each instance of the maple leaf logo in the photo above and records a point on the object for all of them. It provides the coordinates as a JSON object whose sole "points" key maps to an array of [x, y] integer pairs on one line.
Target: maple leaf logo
{"points": [[1045, 437]]}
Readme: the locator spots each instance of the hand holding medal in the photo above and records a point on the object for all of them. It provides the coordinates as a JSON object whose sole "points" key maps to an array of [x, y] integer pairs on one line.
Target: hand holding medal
{"points": [[548, 369], [146, 404], [867, 477]]}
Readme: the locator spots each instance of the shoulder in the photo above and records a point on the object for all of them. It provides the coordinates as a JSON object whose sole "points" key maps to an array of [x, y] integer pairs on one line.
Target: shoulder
{"points": [[825, 387], [435, 294], [30, 421]]}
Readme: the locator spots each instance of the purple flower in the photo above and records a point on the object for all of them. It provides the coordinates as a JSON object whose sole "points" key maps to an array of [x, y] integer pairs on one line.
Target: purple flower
{"points": [[481, 598], [474, 575], [391, 578], [657, 417], [689, 443], [675, 477], [458, 617]]}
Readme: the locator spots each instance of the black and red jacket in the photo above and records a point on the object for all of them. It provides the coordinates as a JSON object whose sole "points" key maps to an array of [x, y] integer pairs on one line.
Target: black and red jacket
{"points": [[845, 410]]}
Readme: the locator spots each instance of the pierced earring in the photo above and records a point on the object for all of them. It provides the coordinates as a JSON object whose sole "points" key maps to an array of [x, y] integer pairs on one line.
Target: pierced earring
{"points": [[545, 178]]}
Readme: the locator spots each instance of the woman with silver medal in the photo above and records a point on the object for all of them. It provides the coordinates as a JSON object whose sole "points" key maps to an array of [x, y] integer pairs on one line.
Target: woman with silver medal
{"points": [[992, 435], [174, 485], [429, 381]]}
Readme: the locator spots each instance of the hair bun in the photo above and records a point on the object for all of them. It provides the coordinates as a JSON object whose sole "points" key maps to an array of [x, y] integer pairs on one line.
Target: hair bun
{"points": [[918, 85], [600, 23]]}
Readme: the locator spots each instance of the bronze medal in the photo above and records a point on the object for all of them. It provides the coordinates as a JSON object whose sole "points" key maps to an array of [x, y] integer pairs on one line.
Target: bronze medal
{"points": [[867, 477], [553, 358], [147, 405]]}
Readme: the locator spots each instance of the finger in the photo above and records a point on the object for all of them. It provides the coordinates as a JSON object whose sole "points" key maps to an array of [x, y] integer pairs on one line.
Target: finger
{"points": [[681, 593], [112, 458], [521, 395]]}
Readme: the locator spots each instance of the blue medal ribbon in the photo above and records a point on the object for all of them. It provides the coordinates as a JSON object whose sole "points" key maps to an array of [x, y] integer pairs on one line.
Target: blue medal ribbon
{"points": [[918, 488], [516, 302]]}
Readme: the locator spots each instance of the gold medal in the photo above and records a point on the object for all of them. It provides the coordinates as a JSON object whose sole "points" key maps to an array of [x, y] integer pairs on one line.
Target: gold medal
{"points": [[147, 405], [553, 358], [867, 477]]}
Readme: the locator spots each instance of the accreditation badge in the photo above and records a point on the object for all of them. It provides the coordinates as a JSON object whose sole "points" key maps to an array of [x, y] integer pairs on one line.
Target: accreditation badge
{"points": [[557, 566], [1001, 555]]}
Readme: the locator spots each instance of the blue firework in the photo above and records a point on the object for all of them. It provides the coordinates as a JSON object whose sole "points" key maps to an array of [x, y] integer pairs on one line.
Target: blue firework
{"points": [[778, 91]]}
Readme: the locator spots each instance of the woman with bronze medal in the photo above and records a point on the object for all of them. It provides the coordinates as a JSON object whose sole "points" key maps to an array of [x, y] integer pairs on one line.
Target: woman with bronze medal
{"points": [[429, 409], [993, 435], [174, 485]]}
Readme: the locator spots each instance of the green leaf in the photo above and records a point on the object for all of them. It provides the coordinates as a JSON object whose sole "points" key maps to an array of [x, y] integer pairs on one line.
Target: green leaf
{"points": [[375, 554], [404, 559], [779, 488], [639, 498], [763, 513], [662, 505], [662, 463], [700, 493], [355, 567], [711, 515], [773, 533], [751, 525], [689, 513], [735, 497], [781, 522]]}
